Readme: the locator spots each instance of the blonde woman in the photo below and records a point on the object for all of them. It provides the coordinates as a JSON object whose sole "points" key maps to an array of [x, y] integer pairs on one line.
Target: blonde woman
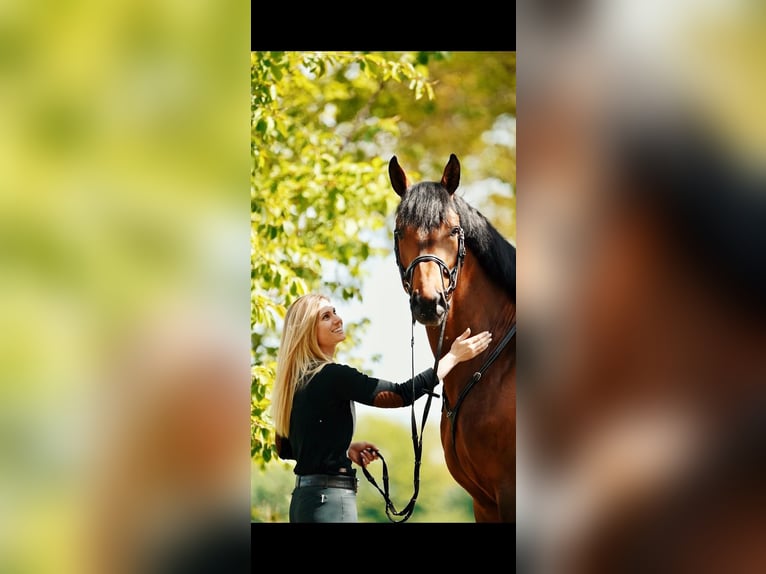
{"points": [[312, 407]]}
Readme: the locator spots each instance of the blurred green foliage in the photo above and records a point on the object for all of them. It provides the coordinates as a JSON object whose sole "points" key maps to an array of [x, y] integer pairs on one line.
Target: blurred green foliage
{"points": [[473, 115], [316, 189], [123, 182]]}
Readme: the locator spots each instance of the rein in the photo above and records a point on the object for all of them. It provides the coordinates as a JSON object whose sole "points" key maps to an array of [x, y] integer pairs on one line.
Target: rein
{"points": [[417, 441], [417, 438]]}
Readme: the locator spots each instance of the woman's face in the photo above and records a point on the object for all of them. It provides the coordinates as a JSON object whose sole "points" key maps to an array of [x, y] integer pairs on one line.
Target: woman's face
{"points": [[329, 329]]}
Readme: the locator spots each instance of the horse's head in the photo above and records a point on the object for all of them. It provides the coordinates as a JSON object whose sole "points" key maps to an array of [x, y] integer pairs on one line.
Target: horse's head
{"points": [[429, 242]]}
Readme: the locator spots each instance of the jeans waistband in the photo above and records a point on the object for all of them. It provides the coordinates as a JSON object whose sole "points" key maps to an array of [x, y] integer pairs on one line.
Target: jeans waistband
{"points": [[327, 481]]}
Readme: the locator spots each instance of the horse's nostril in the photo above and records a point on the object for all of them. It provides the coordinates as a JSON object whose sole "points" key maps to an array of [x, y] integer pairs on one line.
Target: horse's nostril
{"points": [[428, 308]]}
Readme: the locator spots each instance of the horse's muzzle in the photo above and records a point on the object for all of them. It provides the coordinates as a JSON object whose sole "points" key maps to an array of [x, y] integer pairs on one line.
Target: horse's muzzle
{"points": [[429, 312]]}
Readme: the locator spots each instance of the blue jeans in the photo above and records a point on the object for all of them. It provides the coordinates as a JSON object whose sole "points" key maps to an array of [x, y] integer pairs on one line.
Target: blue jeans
{"points": [[322, 504]]}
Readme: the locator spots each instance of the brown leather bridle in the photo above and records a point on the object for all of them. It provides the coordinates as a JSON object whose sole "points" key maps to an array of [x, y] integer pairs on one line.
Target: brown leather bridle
{"points": [[452, 274]]}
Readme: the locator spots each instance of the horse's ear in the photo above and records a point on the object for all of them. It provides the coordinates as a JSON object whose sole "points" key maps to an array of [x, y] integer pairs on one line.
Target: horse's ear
{"points": [[397, 176], [451, 176]]}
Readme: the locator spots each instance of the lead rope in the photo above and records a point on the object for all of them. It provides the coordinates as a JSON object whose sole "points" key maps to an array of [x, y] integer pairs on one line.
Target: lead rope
{"points": [[417, 441]]}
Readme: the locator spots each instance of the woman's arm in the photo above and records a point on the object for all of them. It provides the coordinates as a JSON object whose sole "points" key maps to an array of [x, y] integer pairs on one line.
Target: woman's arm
{"points": [[284, 448], [353, 385]]}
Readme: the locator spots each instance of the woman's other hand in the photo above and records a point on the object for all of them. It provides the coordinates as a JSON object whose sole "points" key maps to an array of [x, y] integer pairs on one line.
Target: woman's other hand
{"points": [[362, 453]]}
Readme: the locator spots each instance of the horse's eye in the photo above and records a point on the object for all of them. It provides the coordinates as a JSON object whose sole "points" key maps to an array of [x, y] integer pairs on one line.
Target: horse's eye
{"points": [[455, 231]]}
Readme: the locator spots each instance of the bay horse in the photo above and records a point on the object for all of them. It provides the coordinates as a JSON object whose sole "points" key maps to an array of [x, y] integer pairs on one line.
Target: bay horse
{"points": [[460, 272]]}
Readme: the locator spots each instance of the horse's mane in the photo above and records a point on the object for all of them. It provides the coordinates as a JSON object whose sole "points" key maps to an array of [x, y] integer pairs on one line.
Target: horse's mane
{"points": [[426, 206]]}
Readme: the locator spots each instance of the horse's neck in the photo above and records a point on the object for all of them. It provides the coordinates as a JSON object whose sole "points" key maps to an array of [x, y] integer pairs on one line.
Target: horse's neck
{"points": [[478, 303]]}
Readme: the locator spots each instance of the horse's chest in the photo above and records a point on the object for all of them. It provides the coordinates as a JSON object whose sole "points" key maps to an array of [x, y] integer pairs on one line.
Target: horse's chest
{"points": [[479, 441], [465, 458]]}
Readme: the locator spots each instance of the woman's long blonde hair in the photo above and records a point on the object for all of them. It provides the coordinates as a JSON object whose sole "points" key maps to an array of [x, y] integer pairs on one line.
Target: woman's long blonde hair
{"points": [[299, 357]]}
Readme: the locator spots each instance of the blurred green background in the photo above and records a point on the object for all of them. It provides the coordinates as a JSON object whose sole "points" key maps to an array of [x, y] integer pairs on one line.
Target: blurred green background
{"points": [[123, 230]]}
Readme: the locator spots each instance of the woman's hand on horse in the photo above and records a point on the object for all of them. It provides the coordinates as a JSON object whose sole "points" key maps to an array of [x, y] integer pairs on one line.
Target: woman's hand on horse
{"points": [[464, 348], [362, 453]]}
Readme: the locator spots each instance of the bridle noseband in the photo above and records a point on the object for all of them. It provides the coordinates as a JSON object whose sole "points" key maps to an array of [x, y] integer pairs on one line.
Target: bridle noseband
{"points": [[406, 274]]}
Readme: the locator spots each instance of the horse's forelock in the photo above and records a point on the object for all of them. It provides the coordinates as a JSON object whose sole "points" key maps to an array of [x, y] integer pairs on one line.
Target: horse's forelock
{"points": [[426, 206]]}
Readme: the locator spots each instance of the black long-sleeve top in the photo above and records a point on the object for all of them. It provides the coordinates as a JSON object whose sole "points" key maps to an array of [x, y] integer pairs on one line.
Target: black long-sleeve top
{"points": [[322, 420]]}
